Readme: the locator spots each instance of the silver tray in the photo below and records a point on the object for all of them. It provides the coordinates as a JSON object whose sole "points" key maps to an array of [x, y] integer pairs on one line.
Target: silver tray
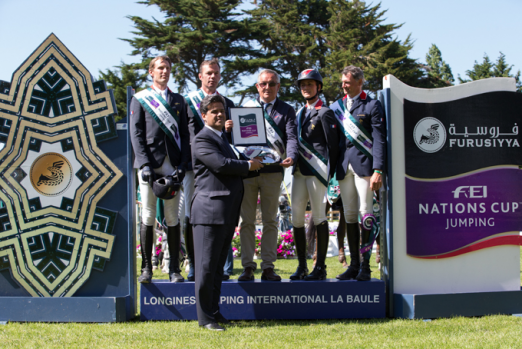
{"points": [[269, 156]]}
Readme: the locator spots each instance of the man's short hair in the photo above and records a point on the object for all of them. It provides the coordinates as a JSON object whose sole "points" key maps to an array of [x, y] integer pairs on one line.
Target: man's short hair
{"points": [[269, 71], [160, 58], [208, 100], [209, 62], [356, 72]]}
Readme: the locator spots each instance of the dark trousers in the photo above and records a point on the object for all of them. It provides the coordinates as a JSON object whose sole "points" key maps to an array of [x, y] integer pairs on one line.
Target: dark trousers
{"points": [[211, 245], [229, 264]]}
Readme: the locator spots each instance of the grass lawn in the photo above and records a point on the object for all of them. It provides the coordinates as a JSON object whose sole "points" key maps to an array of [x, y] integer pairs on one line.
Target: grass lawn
{"points": [[481, 332]]}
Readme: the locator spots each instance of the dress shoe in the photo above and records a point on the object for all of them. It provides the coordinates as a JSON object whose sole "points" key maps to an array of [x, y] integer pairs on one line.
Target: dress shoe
{"points": [[300, 273], [176, 277], [145, 277], [221, 319], [269, 275], [225, 277], [213, 326], [248, 274]]}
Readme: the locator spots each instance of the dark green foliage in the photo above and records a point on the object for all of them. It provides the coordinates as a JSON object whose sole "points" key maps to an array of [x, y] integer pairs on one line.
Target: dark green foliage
{"points": [[118, 79], [194, 31], [329, 35], [438, 70], [488, 69]]}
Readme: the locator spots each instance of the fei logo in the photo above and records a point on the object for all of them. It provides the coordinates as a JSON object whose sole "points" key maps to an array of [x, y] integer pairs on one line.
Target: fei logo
{"points": [[429, 135], [472, 192]]}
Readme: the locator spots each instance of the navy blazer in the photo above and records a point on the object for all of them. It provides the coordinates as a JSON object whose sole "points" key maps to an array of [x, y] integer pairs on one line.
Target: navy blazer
{"points": [[194, 125], [219, 186], [370, 114], [283, 115], [321, 131], [150, 143]]}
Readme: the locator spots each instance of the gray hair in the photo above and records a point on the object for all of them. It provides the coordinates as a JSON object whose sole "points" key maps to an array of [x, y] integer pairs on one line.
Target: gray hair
{"points": [[208, 100], [356, 72], [269, 71]]}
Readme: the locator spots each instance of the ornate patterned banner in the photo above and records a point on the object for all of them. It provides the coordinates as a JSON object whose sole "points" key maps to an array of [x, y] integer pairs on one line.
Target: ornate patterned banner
{"points": [[52, 173]]}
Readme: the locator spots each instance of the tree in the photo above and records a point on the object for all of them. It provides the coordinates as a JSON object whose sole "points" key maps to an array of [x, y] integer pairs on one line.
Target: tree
{"points": [[194, 31], [124, 75], [437, 69], [329, 35], [488, 69]]}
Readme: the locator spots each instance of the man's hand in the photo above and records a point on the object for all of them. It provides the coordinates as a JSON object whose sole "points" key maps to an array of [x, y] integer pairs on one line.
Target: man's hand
{"points": [[180, 172], [376, 181], [147, 175], [228, 126], [287, 162], [255, 164]]}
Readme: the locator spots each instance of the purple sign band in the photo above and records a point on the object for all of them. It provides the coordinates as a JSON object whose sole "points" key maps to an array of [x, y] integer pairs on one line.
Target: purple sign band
{"points": [[249, 131], [447, 215]]}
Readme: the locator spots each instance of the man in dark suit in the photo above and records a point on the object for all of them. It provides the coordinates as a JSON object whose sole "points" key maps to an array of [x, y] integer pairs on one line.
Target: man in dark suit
{"points": [[210, 76], [215, 207], [282, 138], [360, 166], [160, 140]]}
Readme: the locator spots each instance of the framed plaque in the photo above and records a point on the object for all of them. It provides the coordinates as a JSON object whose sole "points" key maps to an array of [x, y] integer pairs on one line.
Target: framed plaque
{"points": [[249, 126]]}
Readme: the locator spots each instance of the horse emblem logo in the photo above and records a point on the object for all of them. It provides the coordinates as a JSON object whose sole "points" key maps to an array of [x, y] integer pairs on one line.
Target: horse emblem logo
{"points": [[429, 134], [51, 174]]}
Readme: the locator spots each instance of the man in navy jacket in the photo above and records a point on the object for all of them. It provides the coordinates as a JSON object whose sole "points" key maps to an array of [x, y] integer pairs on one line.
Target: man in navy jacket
{"points": [[360, 165], [215, 207]]}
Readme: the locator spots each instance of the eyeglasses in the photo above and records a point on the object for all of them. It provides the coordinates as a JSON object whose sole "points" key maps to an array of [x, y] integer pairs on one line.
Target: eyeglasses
{"points": [[263, 84]]}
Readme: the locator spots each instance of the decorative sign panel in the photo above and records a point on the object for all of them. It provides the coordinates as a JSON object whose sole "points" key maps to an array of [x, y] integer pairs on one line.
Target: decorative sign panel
{"points": [[53, 115]]}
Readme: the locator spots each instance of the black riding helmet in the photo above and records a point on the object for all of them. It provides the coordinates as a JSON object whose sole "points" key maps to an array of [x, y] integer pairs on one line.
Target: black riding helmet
{"points": [[310, 74], [166, 187]]}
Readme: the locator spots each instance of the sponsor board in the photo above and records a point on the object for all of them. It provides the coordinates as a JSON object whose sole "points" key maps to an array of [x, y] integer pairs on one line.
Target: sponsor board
{"points": [[328, 299]]}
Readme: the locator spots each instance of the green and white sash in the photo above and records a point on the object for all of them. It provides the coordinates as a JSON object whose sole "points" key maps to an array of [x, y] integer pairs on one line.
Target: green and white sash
{"points": [[353, 130], [162, 112], [193, 99], [273, 133], [319, 166]]}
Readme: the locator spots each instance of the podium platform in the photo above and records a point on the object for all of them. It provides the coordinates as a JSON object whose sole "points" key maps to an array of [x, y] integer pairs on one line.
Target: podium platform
{"points": [[255, 300]]}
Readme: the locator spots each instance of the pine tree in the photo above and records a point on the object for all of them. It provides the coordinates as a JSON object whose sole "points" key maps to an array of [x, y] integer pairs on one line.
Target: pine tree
{"points": [[194, 31], [124, 75], [437, 69], [488, 69], [329, 35]]}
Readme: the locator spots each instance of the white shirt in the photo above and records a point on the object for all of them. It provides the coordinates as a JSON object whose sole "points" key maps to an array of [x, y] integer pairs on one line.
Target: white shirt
{"points": [[311, 107], [163, 93], [351, 101]]}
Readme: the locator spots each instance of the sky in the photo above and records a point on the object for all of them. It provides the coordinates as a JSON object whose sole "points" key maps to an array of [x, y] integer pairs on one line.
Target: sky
{"points": [[463, 30]]}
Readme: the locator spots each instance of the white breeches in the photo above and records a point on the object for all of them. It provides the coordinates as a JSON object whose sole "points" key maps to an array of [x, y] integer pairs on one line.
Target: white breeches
{"points": [[148, 199], [306, 188], [356, 194]]}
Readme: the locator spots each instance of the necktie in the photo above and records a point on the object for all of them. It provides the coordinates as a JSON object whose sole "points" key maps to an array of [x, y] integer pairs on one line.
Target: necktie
{"points": [[231, 153], [349, 103]]}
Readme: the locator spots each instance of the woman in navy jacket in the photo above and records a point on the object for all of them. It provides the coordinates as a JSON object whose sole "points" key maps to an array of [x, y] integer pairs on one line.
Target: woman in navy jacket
{"points": [[318, 137]]}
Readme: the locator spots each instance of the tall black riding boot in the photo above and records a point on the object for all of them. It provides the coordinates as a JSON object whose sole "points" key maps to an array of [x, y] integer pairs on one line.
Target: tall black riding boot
{"points": [[323, 237], [352, 232], [189, 246], [300, 248], [364, 271], [146, 236], [174, 238]]}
